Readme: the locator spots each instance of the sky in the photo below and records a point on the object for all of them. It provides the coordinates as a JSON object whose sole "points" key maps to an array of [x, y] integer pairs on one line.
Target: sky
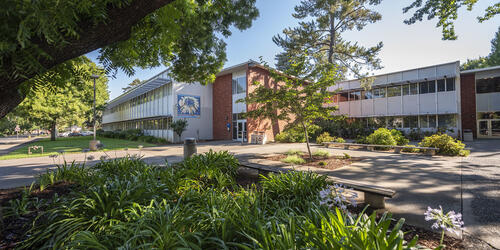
{"points": [[405, 46]]}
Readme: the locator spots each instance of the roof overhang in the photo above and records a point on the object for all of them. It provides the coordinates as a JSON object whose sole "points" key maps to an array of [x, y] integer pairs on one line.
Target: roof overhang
{"points": [[480, 70]]}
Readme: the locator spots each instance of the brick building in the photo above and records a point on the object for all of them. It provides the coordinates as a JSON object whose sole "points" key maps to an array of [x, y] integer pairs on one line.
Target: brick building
{"points": [[425, 99]]}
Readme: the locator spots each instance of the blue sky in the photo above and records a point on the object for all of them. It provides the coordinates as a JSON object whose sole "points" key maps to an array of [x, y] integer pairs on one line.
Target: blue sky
{"points": [[405, 46]]}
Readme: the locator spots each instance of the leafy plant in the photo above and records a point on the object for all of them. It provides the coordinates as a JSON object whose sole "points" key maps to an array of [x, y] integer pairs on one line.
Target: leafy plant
{"points": [[298, 185], [322, 163], [295, 134], [410, 149], [347, 156], [383, 136], [446, 145], [294, 159], [179, 126], [321, 153], [324, 137]]}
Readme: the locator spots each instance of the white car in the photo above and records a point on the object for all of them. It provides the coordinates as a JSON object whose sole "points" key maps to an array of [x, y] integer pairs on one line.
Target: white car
{"points": [[86, 133], [64, 134]]}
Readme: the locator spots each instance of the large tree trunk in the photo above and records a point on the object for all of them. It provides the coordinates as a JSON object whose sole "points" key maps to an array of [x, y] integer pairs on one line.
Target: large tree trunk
{"points": [[53, 131], [91, 37]]}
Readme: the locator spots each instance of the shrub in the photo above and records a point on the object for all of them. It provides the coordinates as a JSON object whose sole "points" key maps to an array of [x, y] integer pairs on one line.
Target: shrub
{"points": [[339, 140], [347, 156], [361, 140], [383, 136], [321, 153], [324, 137], [294, 185], [412, 149], [446, 145], [294, 159], [294, 152], [295, 134], [322, 163]]}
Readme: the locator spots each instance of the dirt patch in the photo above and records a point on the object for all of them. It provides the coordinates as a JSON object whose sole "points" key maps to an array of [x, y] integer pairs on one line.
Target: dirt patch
{"points": [[331, 162]]}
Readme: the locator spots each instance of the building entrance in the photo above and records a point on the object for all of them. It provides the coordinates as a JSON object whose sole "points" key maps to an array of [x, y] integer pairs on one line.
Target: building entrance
{"points": [[488, 128]]}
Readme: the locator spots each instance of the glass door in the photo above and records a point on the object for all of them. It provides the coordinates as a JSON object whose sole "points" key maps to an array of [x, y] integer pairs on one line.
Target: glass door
{"points": [[241, 130], [489, 128]]}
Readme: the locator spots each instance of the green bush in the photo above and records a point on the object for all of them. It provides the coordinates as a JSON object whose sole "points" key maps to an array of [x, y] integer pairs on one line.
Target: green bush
{"points": [[294, 152], [324, 137], [321, 153], [294, 159], [295, 134], [411, 149], [361, 140], [347, 156], [294, 185], [383, 136], [446, 145], [339, 140]]}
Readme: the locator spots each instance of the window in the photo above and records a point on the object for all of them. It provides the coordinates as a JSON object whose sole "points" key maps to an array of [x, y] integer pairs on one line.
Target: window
{"points": [[394, 91], [366, 94], [432, 121], [450, 84], [410, 122], [447, 121], [395, 122], [239, 85], [432, 86], [488, 115], [441, 85], [414, 89], [406, 89], [379, 93], [488, 85], [344, 97], [355, 96], [424, 88]]}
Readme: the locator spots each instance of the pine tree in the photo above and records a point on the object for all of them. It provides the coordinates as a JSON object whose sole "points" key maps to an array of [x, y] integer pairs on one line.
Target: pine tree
{"points": [[320, 35]]}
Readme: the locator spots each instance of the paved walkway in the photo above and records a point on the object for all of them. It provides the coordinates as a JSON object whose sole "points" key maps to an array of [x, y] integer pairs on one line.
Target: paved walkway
{"points": [[11, 143], [470, 185]]}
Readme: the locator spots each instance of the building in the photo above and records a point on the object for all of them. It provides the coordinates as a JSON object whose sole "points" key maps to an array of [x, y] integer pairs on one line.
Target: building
{"points": [[427, 98]]}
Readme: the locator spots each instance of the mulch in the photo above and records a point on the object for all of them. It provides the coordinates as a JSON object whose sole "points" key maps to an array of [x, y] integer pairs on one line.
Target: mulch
{"points": [[331, 162]]}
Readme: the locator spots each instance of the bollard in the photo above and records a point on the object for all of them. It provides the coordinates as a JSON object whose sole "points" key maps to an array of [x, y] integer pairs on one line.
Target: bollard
{"points": [[189, 147]]}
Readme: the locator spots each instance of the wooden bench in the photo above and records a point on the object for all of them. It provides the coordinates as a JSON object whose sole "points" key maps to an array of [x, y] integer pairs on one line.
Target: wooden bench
{"points": [[373, 195], [397, 149]]}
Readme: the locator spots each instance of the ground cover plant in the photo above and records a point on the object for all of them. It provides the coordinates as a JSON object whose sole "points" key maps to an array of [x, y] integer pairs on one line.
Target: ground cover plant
{"points": [[125, 203], [320, 158], [71, 145]]}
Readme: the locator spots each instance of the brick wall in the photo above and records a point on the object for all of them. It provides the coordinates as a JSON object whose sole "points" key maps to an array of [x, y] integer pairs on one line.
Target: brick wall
{"points": [[222, 107], [468, 102], [271, 128]]}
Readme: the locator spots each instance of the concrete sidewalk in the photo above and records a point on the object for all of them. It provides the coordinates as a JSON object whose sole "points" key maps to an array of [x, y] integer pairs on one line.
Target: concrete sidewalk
{"points": [[9, 144]]}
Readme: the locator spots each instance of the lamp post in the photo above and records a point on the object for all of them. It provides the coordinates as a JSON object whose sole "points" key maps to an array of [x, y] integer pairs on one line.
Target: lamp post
{"points": [[93, 143]]}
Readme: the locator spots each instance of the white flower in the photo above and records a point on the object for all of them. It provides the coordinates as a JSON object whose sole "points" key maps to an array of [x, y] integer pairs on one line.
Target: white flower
{"points": [[451, 221]]}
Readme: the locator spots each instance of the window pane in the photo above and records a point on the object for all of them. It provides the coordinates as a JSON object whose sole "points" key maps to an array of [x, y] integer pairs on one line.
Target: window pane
{"points": [[242, 85], [410, 121], [423, 121], [432, 86], [488, 85], [450, 84], [234, 86], [446, 121], [432, 121], [343, 97], [406, 89], [424, 88], [413, 88], [394, 91], [441, 85], [366, 94], [379, 93]]}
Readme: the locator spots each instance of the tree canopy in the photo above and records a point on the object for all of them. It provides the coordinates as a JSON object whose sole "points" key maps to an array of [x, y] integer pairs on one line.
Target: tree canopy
{"points": [[132, 85], [69, 104], [446, 12], [319, 35], [493, 59], [39, 37]]}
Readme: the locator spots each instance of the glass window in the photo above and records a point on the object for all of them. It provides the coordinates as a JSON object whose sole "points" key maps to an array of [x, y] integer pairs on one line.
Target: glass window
{"points": [[424, 88], [424, 122], [379, 93], [394, 122], [432, 86], [242, 85], [488, 85], [441, 86], [355, 96], [488, 115], [406, 89], [414, 89], [344, 97], [394, 91], [366, 94], [446, 121], [410, 121], [450, 84], [432, 121]]}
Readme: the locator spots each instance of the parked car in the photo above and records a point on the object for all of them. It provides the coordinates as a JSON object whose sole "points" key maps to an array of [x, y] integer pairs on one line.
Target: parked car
{"points": [[75, 134], [64, 134], [87, 133]]}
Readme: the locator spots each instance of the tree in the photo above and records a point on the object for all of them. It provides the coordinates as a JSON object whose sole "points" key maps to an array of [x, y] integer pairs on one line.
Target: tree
{"points": [[320, 37], [493, 59], [39, 37], [179, 126], [132, 85], [446, 12], [301, 96], [69, 104]]}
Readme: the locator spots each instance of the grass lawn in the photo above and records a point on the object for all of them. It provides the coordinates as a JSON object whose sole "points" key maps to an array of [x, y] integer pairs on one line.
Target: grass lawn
{"points": [[71, 145]]}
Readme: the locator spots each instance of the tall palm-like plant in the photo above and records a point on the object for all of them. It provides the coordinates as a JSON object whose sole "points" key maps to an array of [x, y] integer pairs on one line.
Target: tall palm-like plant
{"points": [[179, 126]]}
